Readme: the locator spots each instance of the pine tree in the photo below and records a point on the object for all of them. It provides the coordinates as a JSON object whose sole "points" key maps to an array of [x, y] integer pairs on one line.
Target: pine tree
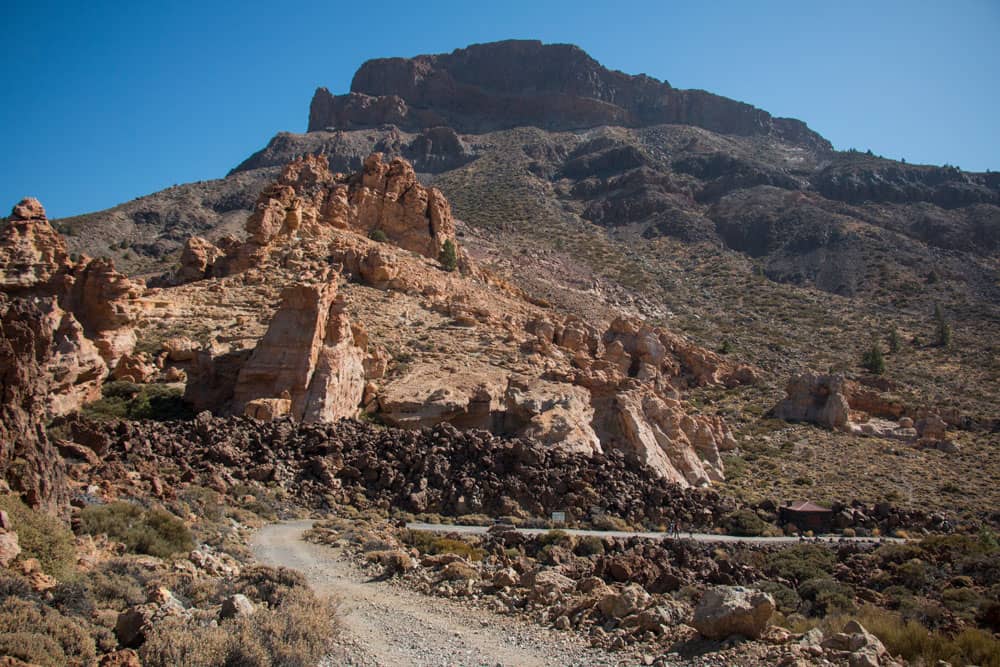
{"points": [[942, 327], [448, 256], [873, 360], [895, 342]]}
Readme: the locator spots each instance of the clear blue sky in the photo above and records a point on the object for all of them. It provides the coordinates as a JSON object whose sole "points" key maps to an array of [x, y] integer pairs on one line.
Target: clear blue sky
{"points": [[108, 101]]}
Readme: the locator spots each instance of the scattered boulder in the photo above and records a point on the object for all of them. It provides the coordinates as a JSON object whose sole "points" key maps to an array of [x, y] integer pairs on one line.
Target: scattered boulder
{"points": [[732, 610]]}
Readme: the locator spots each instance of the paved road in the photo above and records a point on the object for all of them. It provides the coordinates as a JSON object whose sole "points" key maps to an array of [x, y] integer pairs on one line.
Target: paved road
{"points": [[700, 537]]}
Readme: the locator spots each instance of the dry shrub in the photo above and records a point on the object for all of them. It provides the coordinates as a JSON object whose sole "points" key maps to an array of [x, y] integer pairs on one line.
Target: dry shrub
{"points": [[176, 641], [42, 635], [41, 536], [295, 634], [155, 532]]}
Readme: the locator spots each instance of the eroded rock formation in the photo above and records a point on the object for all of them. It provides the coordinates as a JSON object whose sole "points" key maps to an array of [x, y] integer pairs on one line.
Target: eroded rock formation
{"points": [[383, 199], [87, 304], [308, 356]]}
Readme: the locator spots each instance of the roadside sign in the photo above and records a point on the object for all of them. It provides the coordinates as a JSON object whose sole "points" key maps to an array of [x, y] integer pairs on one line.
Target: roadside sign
{"points": [[559, 517]]}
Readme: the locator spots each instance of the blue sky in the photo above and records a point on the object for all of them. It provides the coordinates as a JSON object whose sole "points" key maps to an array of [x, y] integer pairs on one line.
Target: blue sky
{"points": [[105, 102]]}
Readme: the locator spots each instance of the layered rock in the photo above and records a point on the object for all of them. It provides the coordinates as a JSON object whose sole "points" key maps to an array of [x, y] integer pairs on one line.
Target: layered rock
{"points": [[514, 83], [308, 356]]}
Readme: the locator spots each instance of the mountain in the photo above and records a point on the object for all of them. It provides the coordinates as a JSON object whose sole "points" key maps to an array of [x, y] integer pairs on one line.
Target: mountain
{"points": [[600, 193]]}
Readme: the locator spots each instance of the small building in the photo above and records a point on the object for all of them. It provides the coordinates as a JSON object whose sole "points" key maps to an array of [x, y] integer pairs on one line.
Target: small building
{"points": [[806, 516]]}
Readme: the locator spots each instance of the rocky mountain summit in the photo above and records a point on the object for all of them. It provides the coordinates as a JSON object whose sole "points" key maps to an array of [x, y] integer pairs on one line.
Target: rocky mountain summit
{"points": [[502, 85]]}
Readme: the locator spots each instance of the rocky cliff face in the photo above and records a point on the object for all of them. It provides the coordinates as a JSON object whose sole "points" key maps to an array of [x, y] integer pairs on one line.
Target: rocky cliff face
{"points": [[488, 87], [29, 463]]}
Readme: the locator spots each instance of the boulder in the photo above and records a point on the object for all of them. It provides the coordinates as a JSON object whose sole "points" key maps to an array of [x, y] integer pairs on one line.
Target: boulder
{"points": [[554, 413], [236, 606], [818, 399], [197, 258], [9, 547], [732, 610], [619, 604]]}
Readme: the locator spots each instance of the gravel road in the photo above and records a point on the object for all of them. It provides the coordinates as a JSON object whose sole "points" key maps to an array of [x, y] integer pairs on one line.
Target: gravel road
{"points": [[384, 624]]}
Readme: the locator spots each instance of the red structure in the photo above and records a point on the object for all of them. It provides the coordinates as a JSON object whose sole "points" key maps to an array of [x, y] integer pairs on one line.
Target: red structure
{"points": [[806, 516]]}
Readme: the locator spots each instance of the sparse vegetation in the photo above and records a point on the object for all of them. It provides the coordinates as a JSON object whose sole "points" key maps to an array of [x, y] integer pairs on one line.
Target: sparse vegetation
{"points": [[155, 531], [378, 235], [41, 536]]}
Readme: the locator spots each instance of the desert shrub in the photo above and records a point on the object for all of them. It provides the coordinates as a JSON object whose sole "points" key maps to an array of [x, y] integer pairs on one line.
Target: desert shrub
{"points": [[204, 502], [430, 543], [801, 562], [726, 347], [744, 522], [270, 584], [13, 585], [33, 632], [555, 536], [448, 256], [916, 643], [589, 545], [41, 536], [897, 553], [785, 599], [176, 641], [296, 634], [610, 522], [966, 602], [826, 595], [914, 574], [155, 532], [73, 598], [113, 586], [378, 235], [294, 631]]}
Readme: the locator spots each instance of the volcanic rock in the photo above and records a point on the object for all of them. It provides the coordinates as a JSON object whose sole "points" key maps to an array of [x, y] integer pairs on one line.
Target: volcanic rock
{"points": [[732, 610], [28, 461]]}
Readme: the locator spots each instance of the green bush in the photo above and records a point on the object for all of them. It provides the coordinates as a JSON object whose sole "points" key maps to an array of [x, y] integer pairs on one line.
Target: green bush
{"points": [[785, 599], [801, 562], [42, 536], [895, 341], [378, 235], [589, 545], [126, 400], [155, 532], [448, 256], [826, 595], [745, 522]]}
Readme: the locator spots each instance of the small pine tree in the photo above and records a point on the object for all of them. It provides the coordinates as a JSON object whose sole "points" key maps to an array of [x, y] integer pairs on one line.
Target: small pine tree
{"points": [[726, 347], [942, 327], [378, 235], [895, 341], [448, 256], [873, 360]]}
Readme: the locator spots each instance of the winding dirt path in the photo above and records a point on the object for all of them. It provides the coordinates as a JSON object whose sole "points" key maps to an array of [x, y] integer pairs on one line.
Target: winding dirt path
{"points": [[387, 625]]}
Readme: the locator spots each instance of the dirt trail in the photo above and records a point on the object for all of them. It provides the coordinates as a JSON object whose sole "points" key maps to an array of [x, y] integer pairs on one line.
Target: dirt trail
{"points": [[387, 625]]}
